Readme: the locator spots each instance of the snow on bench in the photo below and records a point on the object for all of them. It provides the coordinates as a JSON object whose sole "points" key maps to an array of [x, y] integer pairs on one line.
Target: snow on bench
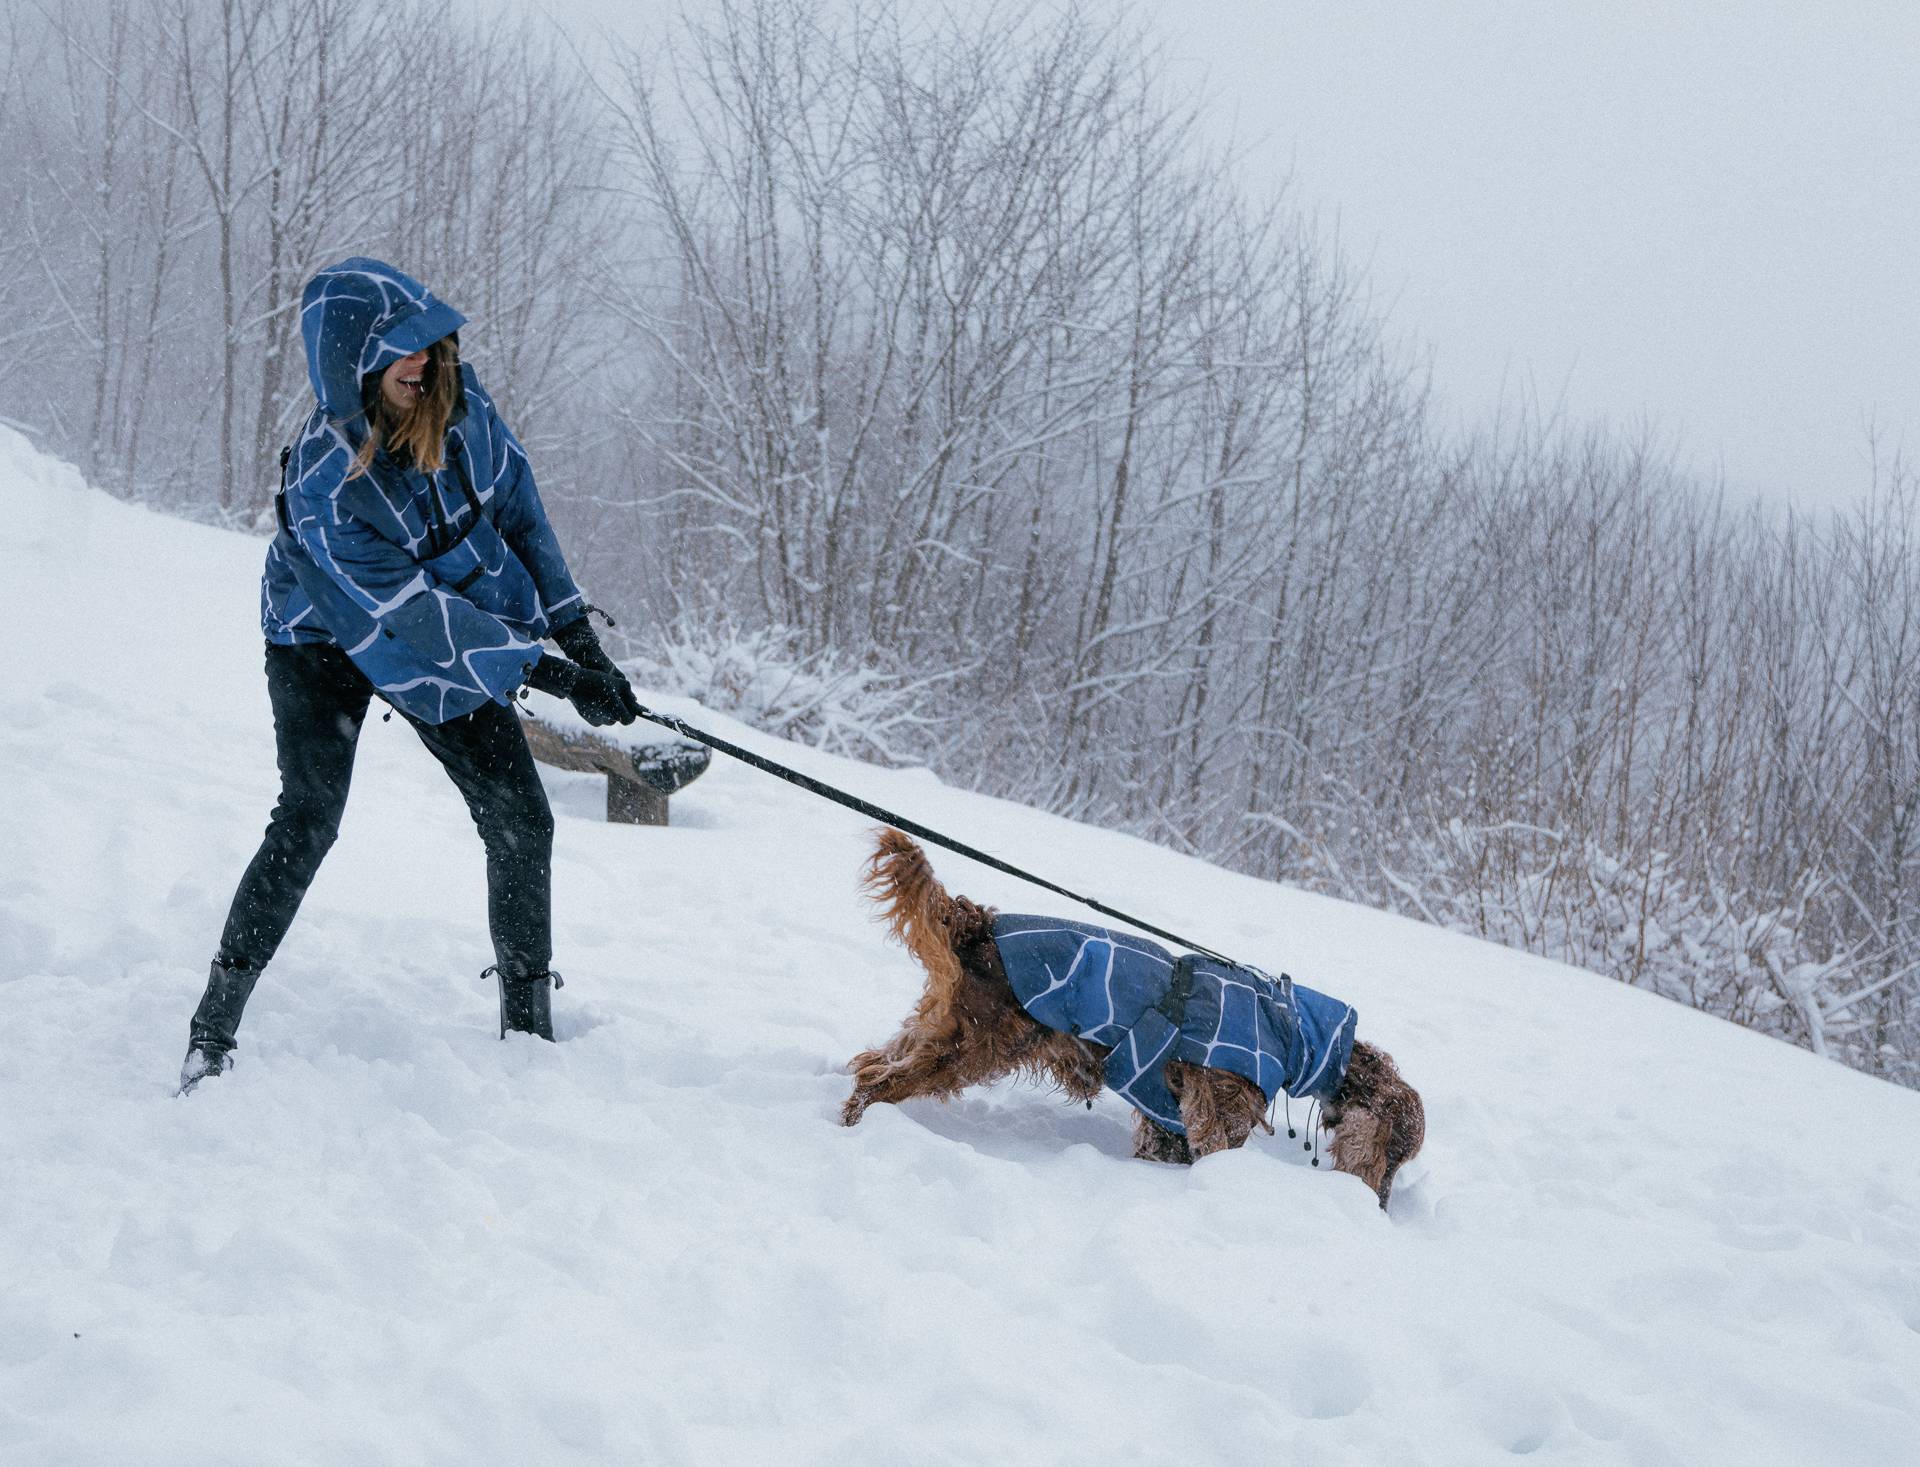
{"points": [[643, 764]]}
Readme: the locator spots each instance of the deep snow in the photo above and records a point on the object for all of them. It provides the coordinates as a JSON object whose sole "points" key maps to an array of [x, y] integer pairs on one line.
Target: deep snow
{"points": [[1636, 1234]]}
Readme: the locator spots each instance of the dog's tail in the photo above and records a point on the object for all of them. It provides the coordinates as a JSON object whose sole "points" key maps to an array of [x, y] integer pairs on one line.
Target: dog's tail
{"points": [[917, 908]]}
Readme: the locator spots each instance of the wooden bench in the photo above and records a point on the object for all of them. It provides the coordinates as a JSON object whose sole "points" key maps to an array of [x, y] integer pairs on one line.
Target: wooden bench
{"points": [[641, 771]]}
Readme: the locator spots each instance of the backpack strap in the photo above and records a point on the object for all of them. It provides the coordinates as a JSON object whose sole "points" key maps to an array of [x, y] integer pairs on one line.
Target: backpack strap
{"points": [[473, 503], [280, 494]]}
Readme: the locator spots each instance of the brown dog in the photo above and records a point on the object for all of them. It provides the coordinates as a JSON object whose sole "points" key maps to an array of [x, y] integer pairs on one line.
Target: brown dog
{"points": [[970, 1027]]}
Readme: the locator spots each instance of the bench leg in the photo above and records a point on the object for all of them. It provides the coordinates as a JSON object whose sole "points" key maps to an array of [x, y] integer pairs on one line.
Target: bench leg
{"points": [[631, 803]]}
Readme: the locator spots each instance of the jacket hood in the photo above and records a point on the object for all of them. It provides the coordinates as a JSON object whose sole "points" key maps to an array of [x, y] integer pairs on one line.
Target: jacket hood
{"points": [[357, 317]]}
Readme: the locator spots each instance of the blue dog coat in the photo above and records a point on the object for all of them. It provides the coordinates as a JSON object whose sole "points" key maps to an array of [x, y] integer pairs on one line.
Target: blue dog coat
{"points": [[1149, 1008]]}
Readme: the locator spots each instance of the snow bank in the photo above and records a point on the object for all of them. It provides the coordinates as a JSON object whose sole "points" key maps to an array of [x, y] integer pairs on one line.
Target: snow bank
{"points": [[1636, 1234]]}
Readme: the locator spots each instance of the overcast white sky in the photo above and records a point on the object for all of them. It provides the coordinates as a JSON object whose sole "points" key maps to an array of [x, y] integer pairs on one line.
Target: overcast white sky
{"points": [[1704, 213]]}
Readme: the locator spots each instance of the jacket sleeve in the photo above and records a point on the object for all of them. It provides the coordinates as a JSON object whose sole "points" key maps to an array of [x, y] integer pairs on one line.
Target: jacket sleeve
{"points": [[410, 634], [522, 521]]}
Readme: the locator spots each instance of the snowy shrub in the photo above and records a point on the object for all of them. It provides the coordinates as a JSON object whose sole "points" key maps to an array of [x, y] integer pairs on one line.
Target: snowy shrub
{"points": [[762, 677], [1752, 960]]}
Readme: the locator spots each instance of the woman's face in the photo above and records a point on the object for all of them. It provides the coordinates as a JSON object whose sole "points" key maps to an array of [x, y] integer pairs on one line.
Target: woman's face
{"points": [[404, 383]]}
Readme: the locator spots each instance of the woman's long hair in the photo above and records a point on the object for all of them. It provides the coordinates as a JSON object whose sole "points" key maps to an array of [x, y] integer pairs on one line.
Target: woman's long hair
{"points": [[418, 432]]}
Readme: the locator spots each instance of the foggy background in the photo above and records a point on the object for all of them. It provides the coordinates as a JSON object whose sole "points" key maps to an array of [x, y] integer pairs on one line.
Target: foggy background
{"points": [[1697, 215], [1297, 440]]}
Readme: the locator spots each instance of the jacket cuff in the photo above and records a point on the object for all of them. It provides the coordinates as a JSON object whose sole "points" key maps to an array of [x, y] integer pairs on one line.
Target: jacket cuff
{"points": [[554, 675], [578, 640]]}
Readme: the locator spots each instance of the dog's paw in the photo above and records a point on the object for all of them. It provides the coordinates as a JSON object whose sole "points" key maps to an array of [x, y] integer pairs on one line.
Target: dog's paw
{"points": [[855, 1107]]}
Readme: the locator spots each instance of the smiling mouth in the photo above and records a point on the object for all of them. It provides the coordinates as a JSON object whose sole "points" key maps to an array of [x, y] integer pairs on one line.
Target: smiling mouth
{"points": [[413, 384]]}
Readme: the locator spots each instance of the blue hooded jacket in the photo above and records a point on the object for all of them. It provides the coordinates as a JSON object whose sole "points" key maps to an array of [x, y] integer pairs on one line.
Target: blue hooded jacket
{"points": [[1126, 993], [439, 586]]}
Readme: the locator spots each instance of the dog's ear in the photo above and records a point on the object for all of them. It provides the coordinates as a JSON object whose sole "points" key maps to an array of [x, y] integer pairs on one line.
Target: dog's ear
{"points": [[1406, 1121], [1378, 1120], [1359, 1148]]}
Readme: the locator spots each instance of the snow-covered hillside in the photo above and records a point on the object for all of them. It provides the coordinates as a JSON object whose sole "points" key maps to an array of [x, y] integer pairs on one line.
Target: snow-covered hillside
{"points": [[1636, 1234]]}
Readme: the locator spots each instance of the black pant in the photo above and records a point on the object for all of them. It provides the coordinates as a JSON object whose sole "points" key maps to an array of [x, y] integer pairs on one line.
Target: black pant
{"points": [[319, 702]]}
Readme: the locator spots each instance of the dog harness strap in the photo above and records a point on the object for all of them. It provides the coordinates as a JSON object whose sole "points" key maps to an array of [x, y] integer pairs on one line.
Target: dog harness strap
{"points": [[1173, 1003]]}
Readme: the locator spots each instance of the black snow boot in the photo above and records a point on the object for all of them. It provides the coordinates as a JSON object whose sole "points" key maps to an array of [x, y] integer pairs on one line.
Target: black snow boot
{"points": [[526, 1003], [210, 1037]]}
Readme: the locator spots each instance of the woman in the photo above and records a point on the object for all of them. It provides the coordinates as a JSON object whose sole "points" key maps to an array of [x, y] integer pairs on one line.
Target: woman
{"points": [[414, 561]]}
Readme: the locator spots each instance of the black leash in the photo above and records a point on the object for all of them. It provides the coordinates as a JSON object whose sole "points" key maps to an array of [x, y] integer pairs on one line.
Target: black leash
{"points": [[913, 827]]}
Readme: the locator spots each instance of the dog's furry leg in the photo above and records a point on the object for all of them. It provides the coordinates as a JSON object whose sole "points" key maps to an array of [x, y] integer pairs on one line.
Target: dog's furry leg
{"points": [[1154, 1142], [869, 1069], [915, 1069], [1218, 1108], [1359, 1149]]}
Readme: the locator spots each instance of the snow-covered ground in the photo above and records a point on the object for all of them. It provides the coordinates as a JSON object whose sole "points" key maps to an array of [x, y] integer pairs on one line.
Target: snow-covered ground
{"points": [[1636, 1234]]}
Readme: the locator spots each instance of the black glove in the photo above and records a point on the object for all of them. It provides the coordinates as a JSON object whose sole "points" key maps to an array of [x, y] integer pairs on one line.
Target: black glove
{"points": [[601, 698], [578, 640]]}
